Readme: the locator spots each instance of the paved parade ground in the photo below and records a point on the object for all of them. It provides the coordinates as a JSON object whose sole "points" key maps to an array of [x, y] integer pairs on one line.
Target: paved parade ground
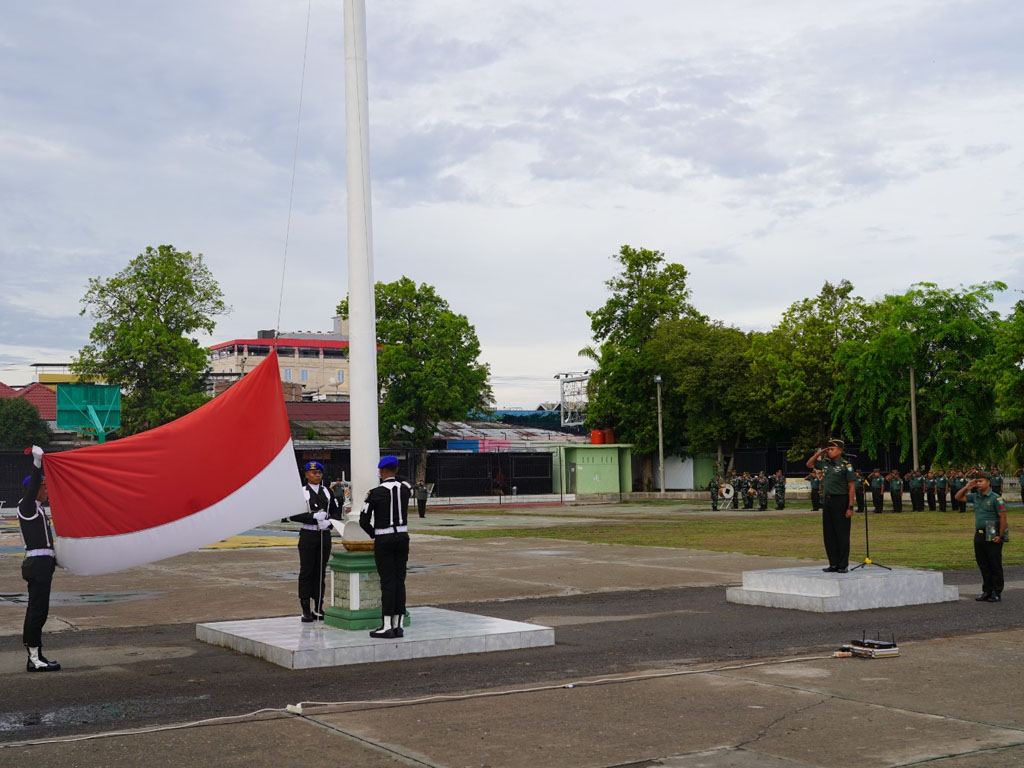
{"points": [[651, 666]]}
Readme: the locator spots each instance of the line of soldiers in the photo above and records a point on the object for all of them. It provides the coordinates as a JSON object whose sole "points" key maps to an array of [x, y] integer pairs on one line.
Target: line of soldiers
{"points": [[927, 486], [748, 488]]}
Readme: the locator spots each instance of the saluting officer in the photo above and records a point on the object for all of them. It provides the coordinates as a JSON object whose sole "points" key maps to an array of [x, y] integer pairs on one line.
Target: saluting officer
{"points": [[989, 534], [315, 540], [39, 564], [385, 518], [941, 485], [877, 489], [837, 485]]}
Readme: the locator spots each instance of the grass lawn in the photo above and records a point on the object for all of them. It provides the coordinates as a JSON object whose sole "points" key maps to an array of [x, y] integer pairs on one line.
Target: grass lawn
{"points": [[937, 540]]}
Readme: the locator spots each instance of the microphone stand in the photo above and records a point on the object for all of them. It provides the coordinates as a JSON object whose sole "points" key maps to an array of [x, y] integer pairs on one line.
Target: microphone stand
{"points": [[867, 548]]}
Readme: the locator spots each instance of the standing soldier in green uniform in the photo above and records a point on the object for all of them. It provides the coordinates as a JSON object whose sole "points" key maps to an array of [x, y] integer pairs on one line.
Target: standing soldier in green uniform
{"points": [[780, 490], [896, 491], [956, 482], [941, 484], [996, 481], [734, 481], [929, 490], [837, 487], [713, 488], [859, 484], [815, 482], [877, 489], [1019, 474], [915, 483], [989, 534], [743, 488], [761, 486]]}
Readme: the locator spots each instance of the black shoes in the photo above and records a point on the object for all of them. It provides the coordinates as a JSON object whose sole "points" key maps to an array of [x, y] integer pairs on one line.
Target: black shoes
{"points": [[830, 569], [990, 599], [983, 597], [385, 633], [842, 570], [307, 615], [39, 663]]}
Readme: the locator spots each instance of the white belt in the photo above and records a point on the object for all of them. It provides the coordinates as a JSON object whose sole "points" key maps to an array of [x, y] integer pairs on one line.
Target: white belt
{"points": [[392, 529], [39, 552], [309, 527]]}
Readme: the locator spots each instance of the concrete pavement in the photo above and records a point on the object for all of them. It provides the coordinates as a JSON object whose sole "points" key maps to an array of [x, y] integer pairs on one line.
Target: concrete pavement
{"points": [[951, 698]]}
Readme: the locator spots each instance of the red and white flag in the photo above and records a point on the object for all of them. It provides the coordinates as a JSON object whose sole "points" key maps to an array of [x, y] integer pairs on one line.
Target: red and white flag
{"points": [[213, 473]]}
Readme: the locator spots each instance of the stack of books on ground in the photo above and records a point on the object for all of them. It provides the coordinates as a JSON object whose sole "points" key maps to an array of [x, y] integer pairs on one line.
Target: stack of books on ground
{"points": [[871, 649]]}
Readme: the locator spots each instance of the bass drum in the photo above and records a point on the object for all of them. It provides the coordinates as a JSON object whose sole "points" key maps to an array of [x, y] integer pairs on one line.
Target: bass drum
{"points": [[727, 491]]}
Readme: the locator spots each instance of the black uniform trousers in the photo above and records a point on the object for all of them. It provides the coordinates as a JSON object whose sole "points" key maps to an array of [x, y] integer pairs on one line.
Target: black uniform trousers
{"points": [[314, 553], [861, 502], [835, 527], [878, 499], [391, 554], [942, 500], [989, 557], [421, 506], [930, 494], [815, 499], [917, 500], [38, 572], [897, 500]]}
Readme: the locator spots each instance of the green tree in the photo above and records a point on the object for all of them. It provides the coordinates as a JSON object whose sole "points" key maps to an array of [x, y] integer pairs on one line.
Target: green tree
{"points": [[947, 337], [794, 366], [706, 371], [141, 340], [21, 425], [646, 293], [427, 364]]}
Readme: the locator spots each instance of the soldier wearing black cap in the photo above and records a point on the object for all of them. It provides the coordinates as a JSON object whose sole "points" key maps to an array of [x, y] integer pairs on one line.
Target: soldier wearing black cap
{"points": [[990, 532], [385, 518], [315, 540], [39, 564], [837, 490]]}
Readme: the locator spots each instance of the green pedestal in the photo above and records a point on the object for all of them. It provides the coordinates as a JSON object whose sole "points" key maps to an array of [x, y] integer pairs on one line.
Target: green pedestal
{"points": [[356, 591]]}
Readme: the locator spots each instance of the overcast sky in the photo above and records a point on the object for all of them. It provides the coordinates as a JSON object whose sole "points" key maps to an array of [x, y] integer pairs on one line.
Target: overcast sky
{"points": [[515, 146]]}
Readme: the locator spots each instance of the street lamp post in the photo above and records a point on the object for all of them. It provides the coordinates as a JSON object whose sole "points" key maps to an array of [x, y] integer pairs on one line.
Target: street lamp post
{"points": [[661, 438]]}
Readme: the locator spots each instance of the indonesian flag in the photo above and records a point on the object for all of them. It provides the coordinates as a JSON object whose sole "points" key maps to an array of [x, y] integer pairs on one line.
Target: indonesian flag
{"points": [[213, 473]]}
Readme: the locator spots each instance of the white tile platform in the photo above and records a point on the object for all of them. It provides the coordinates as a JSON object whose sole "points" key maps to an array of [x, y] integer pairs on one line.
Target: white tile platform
{"points": [[288, 642], [811, 589]]}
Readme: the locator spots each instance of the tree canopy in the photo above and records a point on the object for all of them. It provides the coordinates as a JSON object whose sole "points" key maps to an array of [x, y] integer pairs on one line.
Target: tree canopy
{"points": [[141, 339], [427, 364], [21, 425]]}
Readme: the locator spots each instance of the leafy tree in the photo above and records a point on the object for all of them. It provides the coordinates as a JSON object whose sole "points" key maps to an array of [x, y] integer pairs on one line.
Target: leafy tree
{"points": [[794, 366], [141, 341], [706, 370], [946, 336], [427, 364], [645, 294], [21, 425]]}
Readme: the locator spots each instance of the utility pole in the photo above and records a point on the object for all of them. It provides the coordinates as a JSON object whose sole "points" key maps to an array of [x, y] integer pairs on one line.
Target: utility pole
{"points": [[913, 417], [661, 438]]}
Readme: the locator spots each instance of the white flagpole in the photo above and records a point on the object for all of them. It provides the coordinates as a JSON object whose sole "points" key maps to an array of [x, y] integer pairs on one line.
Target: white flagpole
{"points": [[365, 446]]}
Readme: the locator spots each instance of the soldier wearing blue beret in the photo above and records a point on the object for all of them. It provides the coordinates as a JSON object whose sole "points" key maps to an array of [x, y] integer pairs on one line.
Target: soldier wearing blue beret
{"points": [[315, 540]]}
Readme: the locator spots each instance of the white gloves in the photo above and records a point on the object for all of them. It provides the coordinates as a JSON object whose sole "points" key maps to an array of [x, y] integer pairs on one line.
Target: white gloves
{"points": [[320, 516], [37, 456], [323, 525]]}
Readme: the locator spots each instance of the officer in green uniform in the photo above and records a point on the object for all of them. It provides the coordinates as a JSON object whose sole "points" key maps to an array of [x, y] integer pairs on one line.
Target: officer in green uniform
{"points": [[859, 485], [713, 488], [996, 480], [877, 490], [745, 488], [929, 489], [760, 484], [941, 486], [989, 534], [837, 489], [957, 481], [815, 482], [780, 490], [896, 491], [915, 484]]}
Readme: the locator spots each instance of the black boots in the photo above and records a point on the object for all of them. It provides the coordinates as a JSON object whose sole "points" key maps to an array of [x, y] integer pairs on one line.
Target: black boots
{"points": [[307, 615], [39, 663]]}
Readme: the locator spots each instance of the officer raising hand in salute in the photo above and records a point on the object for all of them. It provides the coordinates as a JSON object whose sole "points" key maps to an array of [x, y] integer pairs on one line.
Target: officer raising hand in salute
{"points": [[837, 492]]}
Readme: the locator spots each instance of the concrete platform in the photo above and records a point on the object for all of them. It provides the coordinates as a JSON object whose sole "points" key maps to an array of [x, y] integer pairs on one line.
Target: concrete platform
{"points": [[811, 589], [288, 642]]}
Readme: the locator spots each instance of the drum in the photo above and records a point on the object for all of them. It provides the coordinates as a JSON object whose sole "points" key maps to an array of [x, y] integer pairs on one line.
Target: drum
{"points": [[727, 492]]}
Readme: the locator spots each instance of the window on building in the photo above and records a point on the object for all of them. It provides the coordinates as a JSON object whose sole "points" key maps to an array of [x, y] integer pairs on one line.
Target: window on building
{"points": [[341, 376], [305, 374], [287, 374]]}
